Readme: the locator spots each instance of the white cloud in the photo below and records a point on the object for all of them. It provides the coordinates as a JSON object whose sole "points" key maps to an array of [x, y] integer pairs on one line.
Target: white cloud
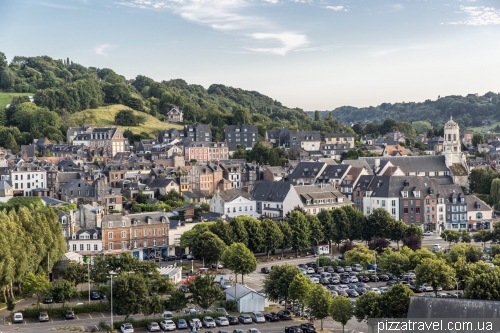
{"points": [[100, 49], [289, 40], [336, 8], [227, 16], [383, 52], [478, 16], [397, 7], [59, 6]]}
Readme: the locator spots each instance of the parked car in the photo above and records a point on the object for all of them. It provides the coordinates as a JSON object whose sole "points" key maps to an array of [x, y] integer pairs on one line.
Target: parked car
{"points": [[383, 289], [48, 300], [308, 328], [253, 330], [383, 277], [154, 327], [127, 328], [43, 316], [182, 324], [428, 233], [184, 288], [265, 270], [339, 269], [18, 317], [221, 321], [69, 314], [352, 293], [195, 323], [364, 279], [258, 317], [375, 290], [95, 296], [347, 269], [245, 319], [285, 315], [293, 329], [374, 278], [168, 325], [343, 293], [390, 283], [233, 320], [208, 322], [271, 316], [357, 268]]}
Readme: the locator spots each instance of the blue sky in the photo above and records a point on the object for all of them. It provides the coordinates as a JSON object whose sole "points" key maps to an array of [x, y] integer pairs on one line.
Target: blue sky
{"points": [[313, 54]]}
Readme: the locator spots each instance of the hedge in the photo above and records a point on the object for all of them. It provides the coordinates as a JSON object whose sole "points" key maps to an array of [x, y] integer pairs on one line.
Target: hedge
{"points": [[59, 311], [144, 322]]}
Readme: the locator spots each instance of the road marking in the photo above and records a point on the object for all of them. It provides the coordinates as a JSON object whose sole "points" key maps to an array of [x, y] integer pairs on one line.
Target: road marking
{"points": [[77, 317], [97, 327], [102, 315], [90, 316]]}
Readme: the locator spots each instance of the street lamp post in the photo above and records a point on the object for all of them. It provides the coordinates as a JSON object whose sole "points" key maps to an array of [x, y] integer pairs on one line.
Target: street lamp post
{"points": [[456, 282], [111, 276], [88, 268], [376, 280], [192, 266]]}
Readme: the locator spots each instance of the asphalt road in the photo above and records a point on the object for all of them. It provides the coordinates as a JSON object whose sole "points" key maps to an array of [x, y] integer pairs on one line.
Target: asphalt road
{"points": [[92, 320]]}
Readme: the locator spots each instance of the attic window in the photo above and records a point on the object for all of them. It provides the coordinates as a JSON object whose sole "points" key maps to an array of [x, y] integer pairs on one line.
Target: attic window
{"points": [[417, 194], [405, 194]]}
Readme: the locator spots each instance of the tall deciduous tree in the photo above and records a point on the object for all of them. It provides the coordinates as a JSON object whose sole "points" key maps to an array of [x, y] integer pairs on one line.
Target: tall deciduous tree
{"points": [[240, 233], [319, 303], [396, 231], [495, 192], [204, 290], [360, 255], [482, 236], [377, 222], [301, 234], [130, 292], [485, 285], [238, 258], [396, 301], [208, 247], [299, 289], [316, 228], [63, 291], [277, 283], [393, 262], [435, 273], [76, 272], [341, 310], [356, 221], [286, 231], [36, 284], [368, 305], [273, 237], [329, 229], [341, 222], [255, 234], [222, 229]]}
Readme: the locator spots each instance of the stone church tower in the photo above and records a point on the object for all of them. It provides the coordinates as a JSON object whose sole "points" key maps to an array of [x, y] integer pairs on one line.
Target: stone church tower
{"points": [[452, 150]]}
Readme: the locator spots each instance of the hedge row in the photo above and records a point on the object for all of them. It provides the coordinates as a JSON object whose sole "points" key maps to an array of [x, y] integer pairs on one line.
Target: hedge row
{"points": [[59, 311], [144, 322]]}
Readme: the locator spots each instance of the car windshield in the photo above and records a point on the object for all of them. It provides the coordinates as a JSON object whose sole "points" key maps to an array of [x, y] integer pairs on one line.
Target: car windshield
{"points": [[258, 314], [127, 326]]}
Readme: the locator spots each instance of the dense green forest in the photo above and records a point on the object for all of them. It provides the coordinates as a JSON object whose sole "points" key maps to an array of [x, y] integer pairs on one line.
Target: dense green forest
{"points": [[468, 111], [65, 87]]}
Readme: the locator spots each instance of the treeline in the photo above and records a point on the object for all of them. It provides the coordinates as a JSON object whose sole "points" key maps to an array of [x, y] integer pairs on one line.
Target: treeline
{"points": [[299, 231], [31, 240], [66, 87], [470, 110]]}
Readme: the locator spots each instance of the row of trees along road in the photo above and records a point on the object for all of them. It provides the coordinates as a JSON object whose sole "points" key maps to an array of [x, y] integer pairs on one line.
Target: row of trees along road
{"points": [[297, 231], [31, 242], [286, 282]]}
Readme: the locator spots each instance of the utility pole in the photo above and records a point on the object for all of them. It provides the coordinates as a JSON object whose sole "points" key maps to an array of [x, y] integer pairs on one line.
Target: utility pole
{"points": [[88, 267], [112, 329]]}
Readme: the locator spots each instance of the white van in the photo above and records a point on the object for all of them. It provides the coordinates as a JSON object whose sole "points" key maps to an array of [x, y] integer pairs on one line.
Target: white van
{"points": [[436, 247]]}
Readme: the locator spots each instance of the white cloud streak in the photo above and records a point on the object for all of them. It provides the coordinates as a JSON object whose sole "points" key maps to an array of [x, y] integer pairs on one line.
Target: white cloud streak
{"points": [[226, 16], [479, 16], [337, 8], [101, 49], [289, 42]]}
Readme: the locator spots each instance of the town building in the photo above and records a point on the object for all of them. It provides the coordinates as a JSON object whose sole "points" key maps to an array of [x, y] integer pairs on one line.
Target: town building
{"points": [[345, 139], [175, 115], [86, 242], [244, 135], [204, 152], [232, 203]]}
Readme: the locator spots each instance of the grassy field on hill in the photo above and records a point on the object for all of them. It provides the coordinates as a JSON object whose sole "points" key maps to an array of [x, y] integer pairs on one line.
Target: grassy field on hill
{"points": [[6, 98], [105, 116]]}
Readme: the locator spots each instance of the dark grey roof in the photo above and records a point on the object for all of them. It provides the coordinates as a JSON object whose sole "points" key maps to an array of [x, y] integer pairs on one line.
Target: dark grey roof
{"points": [[334, 172], [51, 201], [339, 135], [436, 307], [412, 163], [229, 195], [194, 194], [161, 182], [306, 170], [271, 191], [359, 163], [91, 232]]}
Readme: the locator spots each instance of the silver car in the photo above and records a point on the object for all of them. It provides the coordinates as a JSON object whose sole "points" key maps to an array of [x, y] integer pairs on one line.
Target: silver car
{"points": [[222, 321], [208, 322], [258, 317]]}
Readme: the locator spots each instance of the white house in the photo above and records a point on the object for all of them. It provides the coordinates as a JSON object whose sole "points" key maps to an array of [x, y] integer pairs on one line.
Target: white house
{"points": [[275, 199], [86, 241], [233, 202], [247, 300], [26, 177]]}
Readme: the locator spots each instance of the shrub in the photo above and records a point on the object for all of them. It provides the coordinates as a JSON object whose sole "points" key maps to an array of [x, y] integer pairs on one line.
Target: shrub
{"points": [[10, 304], [58, 311], [347, 246], [323, 261]]}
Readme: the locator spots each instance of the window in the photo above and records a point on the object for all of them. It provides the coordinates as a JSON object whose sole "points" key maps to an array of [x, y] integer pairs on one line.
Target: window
{"points": [[144, 232], [81, 247], [124, 223], [154, 232], [124, 245], [110, 235], [135, 233], [96, 247], [110, 224], [405, 210], [163, 231], [479, 215], [417, 210], [145, 243], [154, 242], [393, 203], [393, 211], [164, 241], [405, 194], [74, 247], [88, 247], [427, 201], [124, 234]]}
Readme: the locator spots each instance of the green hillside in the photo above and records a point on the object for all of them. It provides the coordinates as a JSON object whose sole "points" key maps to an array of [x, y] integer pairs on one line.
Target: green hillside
{"points": [[104, 116], [6, 98]]}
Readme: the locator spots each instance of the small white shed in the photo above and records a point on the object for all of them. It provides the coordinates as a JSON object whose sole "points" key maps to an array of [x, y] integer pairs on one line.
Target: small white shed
{"points": [[247, 300], [174, 273]]}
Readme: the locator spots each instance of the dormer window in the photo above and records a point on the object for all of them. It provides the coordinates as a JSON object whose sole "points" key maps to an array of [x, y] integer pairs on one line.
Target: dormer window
{"points": [[405, 194], [95, 236], [150, 220], [417, 194], [73, 237]]}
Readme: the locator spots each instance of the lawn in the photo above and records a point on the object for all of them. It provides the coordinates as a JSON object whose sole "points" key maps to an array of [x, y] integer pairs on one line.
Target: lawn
{"points": [[105, 117], [479, 129], [6, 98]]}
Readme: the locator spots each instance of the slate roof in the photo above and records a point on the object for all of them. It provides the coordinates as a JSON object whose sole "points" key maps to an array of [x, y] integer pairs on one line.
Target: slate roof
{"points": [[194, 194], [270, 191], [238, 291], [436, 307], [334, 172], [475, 204], [412, 163], [161, 182], [359, 163], [229, 195], [306, 170]]}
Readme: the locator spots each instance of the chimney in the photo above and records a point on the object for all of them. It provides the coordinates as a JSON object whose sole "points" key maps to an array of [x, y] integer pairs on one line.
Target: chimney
{"points": [[377, 163]]}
